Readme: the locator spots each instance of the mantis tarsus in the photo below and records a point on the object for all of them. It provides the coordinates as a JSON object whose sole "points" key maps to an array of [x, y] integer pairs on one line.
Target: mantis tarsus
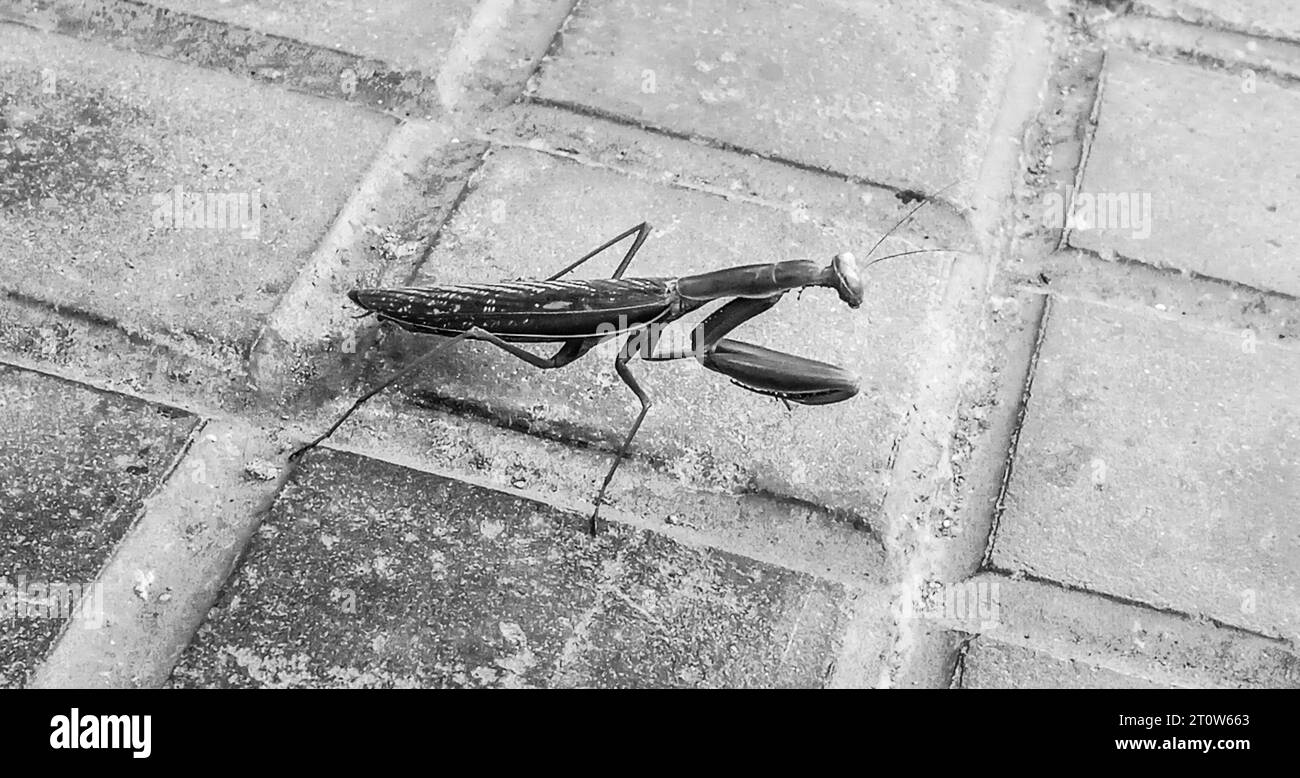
{"points": [[583, 314]]}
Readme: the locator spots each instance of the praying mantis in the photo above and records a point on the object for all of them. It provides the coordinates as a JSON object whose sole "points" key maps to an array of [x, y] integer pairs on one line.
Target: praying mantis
{"points": [[582, 314]]}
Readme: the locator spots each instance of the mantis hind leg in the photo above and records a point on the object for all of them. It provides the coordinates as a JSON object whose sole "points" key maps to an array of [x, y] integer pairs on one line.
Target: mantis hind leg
{"points": [[568, 352], [642, 232], [387, 382], [620, 366]]}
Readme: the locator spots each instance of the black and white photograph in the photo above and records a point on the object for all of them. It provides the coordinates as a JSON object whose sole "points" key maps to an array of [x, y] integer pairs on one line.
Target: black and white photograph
{"points": [[861, 346]]}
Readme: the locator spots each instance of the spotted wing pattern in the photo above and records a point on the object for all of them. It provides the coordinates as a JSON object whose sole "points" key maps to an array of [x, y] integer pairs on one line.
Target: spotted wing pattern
{"points": [[523, 310]]}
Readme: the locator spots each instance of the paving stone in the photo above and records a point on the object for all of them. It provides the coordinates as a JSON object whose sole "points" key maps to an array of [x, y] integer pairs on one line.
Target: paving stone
{"points": [[370, 574], [899, 93], [1160, 463], [1229, 51], [95, 141], [1157, 463], [403, 33], [287, 63], [1167, 648], [785, 533], [993, 665], [75, 467], [530, 214], [1202, 156], [1270, 18]]}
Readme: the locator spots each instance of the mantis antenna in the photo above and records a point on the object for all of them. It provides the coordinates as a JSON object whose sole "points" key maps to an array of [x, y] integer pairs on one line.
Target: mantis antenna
{"points": [[900, 223]]}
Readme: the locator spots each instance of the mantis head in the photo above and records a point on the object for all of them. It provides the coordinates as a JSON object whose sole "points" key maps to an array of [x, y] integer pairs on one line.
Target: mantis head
{"points": [[847, 281]]}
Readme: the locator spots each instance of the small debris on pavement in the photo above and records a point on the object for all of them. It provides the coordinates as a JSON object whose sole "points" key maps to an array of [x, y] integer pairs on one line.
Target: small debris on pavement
{"points": [[261, 470]]}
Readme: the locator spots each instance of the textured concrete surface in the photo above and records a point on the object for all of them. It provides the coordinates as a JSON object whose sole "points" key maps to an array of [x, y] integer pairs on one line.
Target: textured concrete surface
{"points": [[406, 33], [96, 143], [75, 467], [1275, 20], [1157, 463], [367, 574], [1105, 450], [1135, 641], [992, 665], [1198, 153], [894, 92], [166, 572]]}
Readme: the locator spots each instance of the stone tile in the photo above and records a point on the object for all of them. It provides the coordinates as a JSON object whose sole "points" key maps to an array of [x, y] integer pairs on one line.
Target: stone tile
{"points": [[412, 34], [1273, 19], [1056, 624], [370, 574], [898, 93], [993, 665], [94, 143], [1201, 156], [1160, 463], [75, 467]]}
